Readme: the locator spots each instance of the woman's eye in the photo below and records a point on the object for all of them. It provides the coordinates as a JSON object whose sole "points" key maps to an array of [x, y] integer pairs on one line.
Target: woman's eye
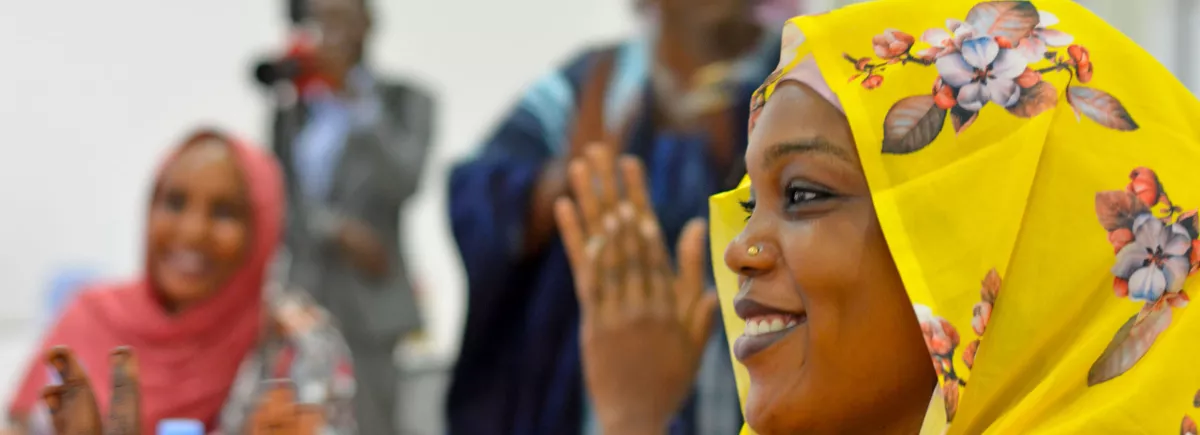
{"points": [[748, 207], [175, 201], [225, 211], [800, 195]]}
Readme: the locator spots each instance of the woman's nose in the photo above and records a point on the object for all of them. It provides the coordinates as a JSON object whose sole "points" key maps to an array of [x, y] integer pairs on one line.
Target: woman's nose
{"points": [[193, 226], [749, 256]]}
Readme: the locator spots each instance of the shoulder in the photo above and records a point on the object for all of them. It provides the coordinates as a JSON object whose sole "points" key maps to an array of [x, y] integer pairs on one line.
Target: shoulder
{"points": [[553, 93], [94, 299]]}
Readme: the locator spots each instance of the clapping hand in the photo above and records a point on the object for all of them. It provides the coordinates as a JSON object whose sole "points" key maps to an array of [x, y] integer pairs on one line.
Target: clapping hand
{"points": [[278, 413], [644, 323], [72, 403]]}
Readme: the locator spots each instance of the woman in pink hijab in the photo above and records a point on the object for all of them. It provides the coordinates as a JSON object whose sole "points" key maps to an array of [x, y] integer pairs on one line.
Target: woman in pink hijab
{"points": [[197, 319]]}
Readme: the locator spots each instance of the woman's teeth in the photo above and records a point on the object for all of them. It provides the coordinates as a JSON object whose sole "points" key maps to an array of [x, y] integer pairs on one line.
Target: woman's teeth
{"points": [[188, 262], [767, 324]]}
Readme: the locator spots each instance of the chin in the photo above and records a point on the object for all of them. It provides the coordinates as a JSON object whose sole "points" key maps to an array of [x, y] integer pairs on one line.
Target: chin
{"points": [[772, 411], [182, 293]]}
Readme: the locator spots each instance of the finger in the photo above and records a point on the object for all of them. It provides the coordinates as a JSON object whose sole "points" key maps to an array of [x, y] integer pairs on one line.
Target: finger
{"points": [[575, 241], [689, 283], [609, 273], [634, 178], [276, 408], [279, 394], [701, 319], [580, 174], [309, 419], [634, 289], [52, 396], [62, 360], [603, 179], [124, 411], [77, 412], [653, 249], [604, 170]]}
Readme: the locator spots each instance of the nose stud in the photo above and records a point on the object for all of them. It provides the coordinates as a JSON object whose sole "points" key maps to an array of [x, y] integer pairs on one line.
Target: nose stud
{"points": [[753, 250]]}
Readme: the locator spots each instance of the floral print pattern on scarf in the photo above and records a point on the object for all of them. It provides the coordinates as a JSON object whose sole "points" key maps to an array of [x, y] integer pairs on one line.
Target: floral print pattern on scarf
{"points": [[982, 314], [1157, 247], [941, 337], [1188, 426], [997, 56]]}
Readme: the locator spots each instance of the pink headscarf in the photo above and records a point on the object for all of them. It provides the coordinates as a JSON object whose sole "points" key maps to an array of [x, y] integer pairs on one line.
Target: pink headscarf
{"points": [[186, 362], [770, 13], [809, 74]]}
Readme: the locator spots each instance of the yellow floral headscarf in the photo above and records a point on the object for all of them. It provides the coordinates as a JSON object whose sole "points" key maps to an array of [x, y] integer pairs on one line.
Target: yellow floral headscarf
{"points": [[1037, 176]]}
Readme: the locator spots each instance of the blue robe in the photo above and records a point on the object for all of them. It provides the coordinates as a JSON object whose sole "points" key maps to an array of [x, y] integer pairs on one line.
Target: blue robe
{"points": [[519, 371]]}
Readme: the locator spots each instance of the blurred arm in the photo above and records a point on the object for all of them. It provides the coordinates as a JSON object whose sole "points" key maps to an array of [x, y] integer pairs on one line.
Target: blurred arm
{"points": [[503, 194]]}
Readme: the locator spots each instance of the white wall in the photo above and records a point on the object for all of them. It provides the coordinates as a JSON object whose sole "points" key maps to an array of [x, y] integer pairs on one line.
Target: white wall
{"points": [[95, 91]]}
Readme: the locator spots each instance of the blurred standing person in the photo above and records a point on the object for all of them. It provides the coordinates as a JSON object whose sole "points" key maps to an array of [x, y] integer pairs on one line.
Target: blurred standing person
{"points": [[353, 147], [676, 96]]}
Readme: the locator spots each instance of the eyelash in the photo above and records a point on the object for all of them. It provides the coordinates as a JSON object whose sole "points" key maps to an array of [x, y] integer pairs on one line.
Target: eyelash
{"points": [[748, 207], [795, 196]]}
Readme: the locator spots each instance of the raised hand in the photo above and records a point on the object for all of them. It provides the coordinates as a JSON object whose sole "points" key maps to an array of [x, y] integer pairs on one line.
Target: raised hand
{"points": [[72, 403], [644, 323], [278, 413]]}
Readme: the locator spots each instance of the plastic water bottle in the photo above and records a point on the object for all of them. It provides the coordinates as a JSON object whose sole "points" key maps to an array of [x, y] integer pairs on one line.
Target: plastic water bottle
{"points": [[180, 427]]}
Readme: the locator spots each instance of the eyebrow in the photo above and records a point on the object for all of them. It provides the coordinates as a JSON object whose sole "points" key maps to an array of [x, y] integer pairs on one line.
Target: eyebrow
{"points": [[803, 146]]}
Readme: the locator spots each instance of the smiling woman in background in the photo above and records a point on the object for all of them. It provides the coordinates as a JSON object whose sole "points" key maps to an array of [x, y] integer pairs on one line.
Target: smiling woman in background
{"points": [[992, 199], [196, 319]]}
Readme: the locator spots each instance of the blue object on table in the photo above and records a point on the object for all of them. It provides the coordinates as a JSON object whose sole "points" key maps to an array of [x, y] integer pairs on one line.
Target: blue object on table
{"points": [[180, 427]]}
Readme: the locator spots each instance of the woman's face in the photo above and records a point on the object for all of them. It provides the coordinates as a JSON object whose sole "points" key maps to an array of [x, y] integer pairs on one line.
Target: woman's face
{"points": [[832, 342], [199, 224]]}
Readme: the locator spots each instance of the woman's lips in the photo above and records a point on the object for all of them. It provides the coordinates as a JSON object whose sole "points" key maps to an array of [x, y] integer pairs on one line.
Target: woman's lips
{"points": [[765, 330], [187, 263], [765, 325]]}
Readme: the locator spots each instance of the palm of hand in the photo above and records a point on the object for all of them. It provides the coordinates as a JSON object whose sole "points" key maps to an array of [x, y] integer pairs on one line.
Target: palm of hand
{"points": [[618, 366], [644, 324]]}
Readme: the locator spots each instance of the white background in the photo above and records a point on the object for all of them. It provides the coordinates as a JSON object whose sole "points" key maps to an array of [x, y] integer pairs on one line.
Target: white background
{"points": [[93, 92]]}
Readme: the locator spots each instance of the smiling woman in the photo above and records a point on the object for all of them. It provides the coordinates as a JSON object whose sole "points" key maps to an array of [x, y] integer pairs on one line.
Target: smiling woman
{"points": [[895, 256], [204, 328]]}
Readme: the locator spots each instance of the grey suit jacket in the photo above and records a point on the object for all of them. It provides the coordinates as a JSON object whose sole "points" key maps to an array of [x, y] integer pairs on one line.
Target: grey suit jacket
{"points": [[378, 170]]}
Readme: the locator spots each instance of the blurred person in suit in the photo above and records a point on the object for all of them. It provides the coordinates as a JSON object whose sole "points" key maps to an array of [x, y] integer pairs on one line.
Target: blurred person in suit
{"points": [[677, 96], [208, 318], [353, 146]]}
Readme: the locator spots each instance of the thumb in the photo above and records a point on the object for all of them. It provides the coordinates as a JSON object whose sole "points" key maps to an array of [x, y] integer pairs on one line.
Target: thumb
{"points": [[701, 319]]}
